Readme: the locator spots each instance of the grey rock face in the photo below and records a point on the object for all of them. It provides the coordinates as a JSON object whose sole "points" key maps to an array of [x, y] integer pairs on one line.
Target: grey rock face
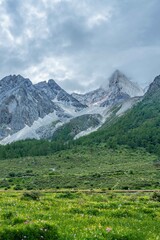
{"points": [[24, 105], [119, 89], [21, 102], [115, 98], [57, 94], [154, 87], [90, 98]]}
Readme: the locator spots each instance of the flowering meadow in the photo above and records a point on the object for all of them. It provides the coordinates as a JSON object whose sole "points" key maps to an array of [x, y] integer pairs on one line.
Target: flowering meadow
{"points": [[80, 216]]}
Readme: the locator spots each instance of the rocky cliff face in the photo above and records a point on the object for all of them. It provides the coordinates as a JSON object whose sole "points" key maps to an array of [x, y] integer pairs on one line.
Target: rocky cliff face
{"points": [[37, 111], [154, 87], [57, 94], [91, 98], [22, 103], [118, 89]]}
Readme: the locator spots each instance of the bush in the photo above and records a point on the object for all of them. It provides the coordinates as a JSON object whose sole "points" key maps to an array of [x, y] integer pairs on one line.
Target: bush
{"points": [[130, 171], [155, 197], [12, 174], [18, 187], [31, 195], [156, 163], [8, 215], [68, 195]]}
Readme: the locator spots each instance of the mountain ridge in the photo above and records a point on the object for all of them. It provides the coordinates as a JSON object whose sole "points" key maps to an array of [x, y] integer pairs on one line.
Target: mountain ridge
{"points": [[37, 110], [138, 128], [22, 103], [118, 88]]}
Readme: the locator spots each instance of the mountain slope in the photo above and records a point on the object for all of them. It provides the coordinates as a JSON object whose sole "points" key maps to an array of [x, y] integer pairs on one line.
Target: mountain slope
{"points": [[57, 94], [77, 125], [37, 111], [119, 89], [91, 98], [119, 82], [139, 127], [22, 103]]}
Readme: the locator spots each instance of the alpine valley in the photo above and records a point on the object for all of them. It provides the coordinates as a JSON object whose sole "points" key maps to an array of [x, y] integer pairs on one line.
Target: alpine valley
{"points": [[78, 163], [105, 139]]}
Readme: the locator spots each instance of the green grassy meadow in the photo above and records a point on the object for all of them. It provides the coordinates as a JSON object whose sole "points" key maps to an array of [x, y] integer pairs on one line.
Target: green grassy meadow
{"points": [[83, 168], [80, 216], [83, 194]]}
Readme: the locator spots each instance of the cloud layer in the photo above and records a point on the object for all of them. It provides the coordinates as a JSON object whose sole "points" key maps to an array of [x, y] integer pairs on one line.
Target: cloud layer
{"points": [[80, 43]]}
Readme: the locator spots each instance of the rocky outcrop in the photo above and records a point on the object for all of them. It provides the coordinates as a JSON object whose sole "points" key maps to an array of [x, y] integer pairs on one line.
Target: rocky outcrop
{"points": [[22, 103], [117, 89]]}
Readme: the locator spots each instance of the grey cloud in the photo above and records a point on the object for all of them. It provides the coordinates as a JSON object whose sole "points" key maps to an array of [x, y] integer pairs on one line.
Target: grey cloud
{"points": [[81, 40]]}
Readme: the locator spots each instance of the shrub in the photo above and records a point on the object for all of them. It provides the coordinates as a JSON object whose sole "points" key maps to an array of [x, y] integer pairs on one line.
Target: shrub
{"points": [[8, 215], [155, 197], [18, 187], [68, 195], [31, 195], [12, 174], [130, 171]]}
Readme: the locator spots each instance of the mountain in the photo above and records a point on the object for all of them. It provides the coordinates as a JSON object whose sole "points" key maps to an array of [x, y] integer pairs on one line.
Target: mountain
{"points": [[153, 91], [119, 89], [96, 160], [58, 95], [107, 102], [139, 127], [22, 104], [91, 98], [119, 82], [42, 110]]}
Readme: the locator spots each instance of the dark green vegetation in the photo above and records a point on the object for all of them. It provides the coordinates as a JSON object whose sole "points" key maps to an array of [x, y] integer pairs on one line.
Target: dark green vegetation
{"points": [[68, 216], [140, 127], [70, 130], [31, 148], [83, 168]]}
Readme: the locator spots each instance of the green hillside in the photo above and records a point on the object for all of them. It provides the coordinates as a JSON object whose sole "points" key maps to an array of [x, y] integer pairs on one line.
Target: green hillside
{"points": [[139, 127], [76, 125]]}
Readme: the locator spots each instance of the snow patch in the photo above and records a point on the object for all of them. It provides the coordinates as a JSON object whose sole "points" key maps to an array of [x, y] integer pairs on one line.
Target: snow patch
{"points": [[126, 106], [30, 132], [86, 132]]}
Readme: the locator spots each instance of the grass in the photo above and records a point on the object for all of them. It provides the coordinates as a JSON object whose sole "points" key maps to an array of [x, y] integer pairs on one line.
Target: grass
{"points": [[79, 216], [99, 211], [83, 168]]}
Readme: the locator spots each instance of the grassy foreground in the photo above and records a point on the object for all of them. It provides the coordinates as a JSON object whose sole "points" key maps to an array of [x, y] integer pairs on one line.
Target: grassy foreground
{"points": [[80, 216]]}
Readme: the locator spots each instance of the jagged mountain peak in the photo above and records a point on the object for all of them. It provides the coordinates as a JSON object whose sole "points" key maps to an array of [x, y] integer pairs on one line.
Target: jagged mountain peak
{"points": [[51, 88], [117, 89], [154, 86], [13, 80], [57, 94], [117, 77], [53, 84], [50, 84], [119, 82], [23, 103]]}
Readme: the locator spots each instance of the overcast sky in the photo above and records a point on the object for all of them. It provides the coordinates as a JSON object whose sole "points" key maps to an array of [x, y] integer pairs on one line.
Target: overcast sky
{"points": [[79, 43]]}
